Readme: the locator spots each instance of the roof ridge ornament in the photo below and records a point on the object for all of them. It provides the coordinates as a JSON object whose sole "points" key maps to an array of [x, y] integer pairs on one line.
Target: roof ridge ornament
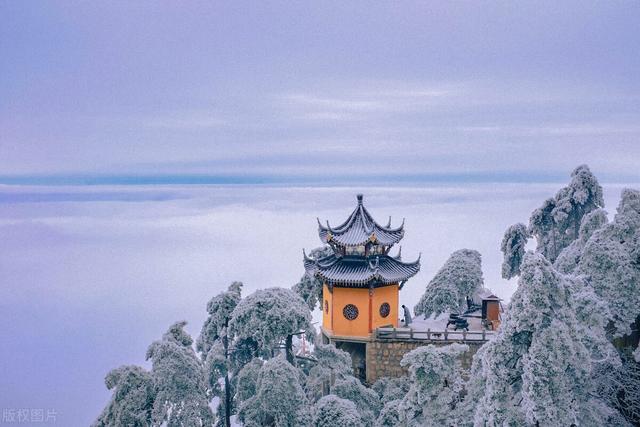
{"points": [[399, 255], [329, 227], [389, 223], [359, 197]]}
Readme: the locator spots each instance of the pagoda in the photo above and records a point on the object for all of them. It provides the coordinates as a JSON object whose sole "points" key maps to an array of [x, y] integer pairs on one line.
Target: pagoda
{"points": [[361, 281]]}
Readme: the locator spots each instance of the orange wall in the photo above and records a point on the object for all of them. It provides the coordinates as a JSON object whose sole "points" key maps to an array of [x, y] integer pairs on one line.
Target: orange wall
{"points": [[387, 294], [359, 327]]}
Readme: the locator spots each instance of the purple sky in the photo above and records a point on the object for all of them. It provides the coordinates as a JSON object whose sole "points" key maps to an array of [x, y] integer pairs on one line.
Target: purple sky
{"points": [[298, 89]]}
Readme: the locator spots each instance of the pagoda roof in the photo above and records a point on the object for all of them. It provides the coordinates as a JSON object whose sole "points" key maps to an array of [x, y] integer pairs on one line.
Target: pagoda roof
{"points": [[359, 229], [358, 271]]}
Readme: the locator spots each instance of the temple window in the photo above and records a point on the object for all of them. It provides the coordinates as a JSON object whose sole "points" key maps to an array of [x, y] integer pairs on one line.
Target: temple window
{"points": [[350, 312], [385, 309]]}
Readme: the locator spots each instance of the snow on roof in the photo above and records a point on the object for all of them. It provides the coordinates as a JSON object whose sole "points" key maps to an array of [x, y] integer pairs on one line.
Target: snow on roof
{"points": [[484, 294]]}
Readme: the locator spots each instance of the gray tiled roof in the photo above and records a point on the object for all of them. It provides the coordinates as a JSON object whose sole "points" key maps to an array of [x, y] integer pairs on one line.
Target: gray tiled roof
{"points": [[360, 228], [358, 271]]}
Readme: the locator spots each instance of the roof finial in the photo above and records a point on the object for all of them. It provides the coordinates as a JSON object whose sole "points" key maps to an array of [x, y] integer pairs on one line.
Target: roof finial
{"points": [[359, 196]]}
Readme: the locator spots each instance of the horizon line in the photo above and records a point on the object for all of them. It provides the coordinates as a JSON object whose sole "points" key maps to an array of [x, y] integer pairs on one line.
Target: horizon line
{"points": [[97, 179]]}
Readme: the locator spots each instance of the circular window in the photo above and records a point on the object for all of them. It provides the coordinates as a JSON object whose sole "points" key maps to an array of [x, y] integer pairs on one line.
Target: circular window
{"points": [[350, 311], [385, 309], [326, 306]]}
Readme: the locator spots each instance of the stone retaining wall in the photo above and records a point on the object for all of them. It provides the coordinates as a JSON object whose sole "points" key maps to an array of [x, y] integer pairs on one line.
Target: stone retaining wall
{"points": [[383, 357]]}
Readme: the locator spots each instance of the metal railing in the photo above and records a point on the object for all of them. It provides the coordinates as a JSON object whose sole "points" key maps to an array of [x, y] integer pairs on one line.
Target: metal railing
{"points": [[407, 334]]}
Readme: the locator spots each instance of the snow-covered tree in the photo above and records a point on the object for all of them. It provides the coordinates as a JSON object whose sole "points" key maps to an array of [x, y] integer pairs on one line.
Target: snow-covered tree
{"points": [[331, 364], [436, 377], [180, 381], [213, 344], [279, 398], [132, 400], [389, 389], [219, 309], [537, 370], [269, 317], [557, 222], [390, 415], [619, 386], [460, 277], [365, 399], [247, 379], [610, 260], [592, 314], [568, 260], [332, 411], [513, 246], [310, 288]]}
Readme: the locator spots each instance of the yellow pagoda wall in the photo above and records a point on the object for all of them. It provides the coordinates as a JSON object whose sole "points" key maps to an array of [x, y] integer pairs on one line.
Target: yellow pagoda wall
{"points": [[368, 306], [359, 327], [327, 308], [388, 294]]}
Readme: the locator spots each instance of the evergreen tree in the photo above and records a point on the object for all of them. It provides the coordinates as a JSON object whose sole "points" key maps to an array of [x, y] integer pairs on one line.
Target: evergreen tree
{"points": [[269, 317], [365, 399], [391, 414], [332, 364], [611, 262], [279, 399], [180, 381], [513, 246], [310, 288], [389, 389], [132, 400], [537, 370], [569, 258], [436, 379], [460, 277], [557, 222], [213, 344], [332, 411]]}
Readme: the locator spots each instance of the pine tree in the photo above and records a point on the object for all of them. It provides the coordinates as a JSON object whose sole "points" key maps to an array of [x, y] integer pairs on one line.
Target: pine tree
{"points": [[214, 345], [132, 400], [270, 317], [513, 246], [332, 411], [310, 288], [436, 385], [180, 381], [279, 399], [557, 222], [537, 370], [460, 277]]}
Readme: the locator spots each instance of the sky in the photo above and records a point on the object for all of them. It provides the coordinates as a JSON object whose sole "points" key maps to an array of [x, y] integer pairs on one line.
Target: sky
{"points": [[317, 92], [153, 152]]}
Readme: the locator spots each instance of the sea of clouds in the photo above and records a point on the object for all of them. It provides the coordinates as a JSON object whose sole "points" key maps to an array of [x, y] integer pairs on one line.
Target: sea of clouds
{"points": [[91, 275]]}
